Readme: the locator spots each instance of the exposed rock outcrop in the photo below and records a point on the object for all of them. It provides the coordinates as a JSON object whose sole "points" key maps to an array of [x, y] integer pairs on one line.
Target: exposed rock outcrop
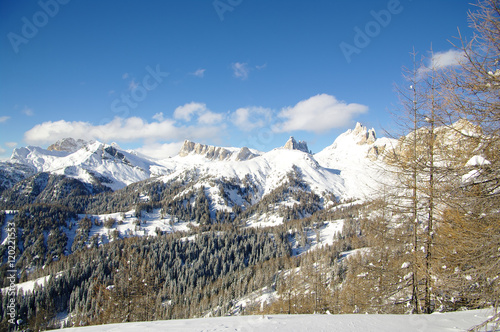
{"points": [[67, 144], [292, 144], [365, 136], [215, 152]]}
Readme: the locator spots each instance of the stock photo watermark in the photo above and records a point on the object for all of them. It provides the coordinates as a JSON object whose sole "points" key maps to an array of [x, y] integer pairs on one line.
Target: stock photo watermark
{"points": [[11, 311], [48, 9], [363, 36], [260, 136], [121, 106], [223, 6], [260, 139]]}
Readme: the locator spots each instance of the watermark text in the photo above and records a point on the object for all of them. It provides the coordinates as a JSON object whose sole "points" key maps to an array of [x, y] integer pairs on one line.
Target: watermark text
{"points": [[11, 310], [30, 27], [363, 37], [223, 6]]}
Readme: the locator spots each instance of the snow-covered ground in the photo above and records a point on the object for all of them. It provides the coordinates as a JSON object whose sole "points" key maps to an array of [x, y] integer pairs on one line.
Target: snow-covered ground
{"points": [[455, 321], [325, 233], [8, 218], [28, 286], [127, 224]]}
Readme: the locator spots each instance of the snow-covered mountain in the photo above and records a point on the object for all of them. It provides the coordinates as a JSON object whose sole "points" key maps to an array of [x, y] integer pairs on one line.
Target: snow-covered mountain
{"points": [[229, 176], [344, 168], [358, 156], [12, 173], [266, 170], [90, 162]]}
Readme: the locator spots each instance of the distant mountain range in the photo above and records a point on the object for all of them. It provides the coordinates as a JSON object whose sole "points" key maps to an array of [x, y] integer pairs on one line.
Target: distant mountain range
{"points": [[343, 169]]}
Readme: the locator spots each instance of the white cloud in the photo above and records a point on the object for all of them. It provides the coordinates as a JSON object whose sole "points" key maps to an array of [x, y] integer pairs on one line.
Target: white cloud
{"points": [[445, 59], [4, 119], [125, 76], [210, 118], [199, 73], [205, 116], [10, 144], [240, 70], [318, 114], [2, 151], [119, 129], [249, 118], [185, 112], [440, 60], [158, 116], [160, 151]]}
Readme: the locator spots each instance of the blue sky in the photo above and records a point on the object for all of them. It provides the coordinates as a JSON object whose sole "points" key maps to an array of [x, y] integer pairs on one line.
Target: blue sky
{"points": [[149, 74]]}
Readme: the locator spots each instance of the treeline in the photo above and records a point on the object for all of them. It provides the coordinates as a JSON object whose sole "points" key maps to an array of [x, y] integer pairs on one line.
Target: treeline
{"points": [[153, 278], [293, 191], [321, 281], [42, 229], [178, 196], [46, 188]]}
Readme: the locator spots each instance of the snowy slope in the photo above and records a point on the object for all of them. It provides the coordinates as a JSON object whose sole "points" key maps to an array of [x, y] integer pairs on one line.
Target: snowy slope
{"points": [[12, 173], [269, 170], [358, 156], [266, 171], [455, 321], [128, 225]]}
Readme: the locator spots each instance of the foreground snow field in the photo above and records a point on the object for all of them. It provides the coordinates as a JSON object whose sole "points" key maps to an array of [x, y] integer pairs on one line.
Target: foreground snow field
{"points": [[455, 321]]}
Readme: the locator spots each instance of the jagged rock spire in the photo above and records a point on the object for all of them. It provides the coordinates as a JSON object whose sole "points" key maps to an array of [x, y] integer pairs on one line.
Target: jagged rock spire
{"points": [[366, 136], [292, 144]]}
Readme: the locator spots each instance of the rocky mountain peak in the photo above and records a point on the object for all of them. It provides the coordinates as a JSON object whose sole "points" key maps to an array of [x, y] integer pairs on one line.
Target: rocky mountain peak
{"points": [[67, 144], [187, 148], [292, 144], [364, 135]]}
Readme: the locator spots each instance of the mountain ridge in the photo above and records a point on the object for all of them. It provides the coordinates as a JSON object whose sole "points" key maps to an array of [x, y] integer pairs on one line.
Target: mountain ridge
{"points": [[212, 152], [338, 169]]}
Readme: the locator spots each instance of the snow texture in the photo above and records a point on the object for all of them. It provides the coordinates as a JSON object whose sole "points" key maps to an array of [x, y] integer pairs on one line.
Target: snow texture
{"points": [[455, 321]]}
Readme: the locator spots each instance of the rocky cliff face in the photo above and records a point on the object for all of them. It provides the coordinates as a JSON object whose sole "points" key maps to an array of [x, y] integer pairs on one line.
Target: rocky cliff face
{"points": [[67, 144], [215, 152]]}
